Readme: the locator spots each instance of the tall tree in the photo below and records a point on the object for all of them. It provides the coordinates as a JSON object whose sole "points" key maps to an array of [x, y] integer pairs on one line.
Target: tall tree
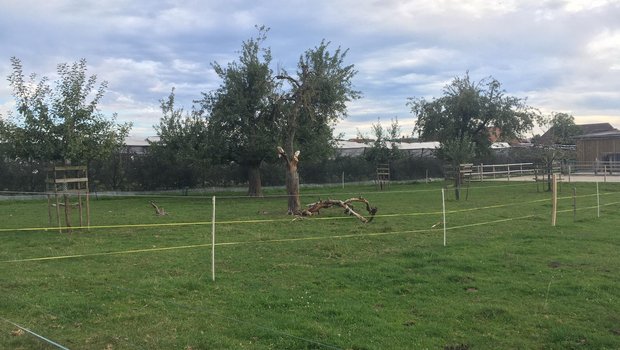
{"points": [[563, 128], [60, 123], [317, 95], [241, 112], [379, 152], [464, 115], [468, 109], [182, 144]]}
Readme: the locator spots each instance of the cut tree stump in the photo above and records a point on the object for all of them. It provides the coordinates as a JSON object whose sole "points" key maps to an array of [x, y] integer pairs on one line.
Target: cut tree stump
{"points": [[314, 208]]}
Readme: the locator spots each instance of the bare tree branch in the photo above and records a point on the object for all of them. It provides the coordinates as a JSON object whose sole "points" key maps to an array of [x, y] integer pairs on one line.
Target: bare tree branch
{"points": [[159, 211], [314, 208]]}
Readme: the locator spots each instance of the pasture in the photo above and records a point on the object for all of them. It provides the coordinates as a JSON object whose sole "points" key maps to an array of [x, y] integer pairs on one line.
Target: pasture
{"points": [[134, 280]]}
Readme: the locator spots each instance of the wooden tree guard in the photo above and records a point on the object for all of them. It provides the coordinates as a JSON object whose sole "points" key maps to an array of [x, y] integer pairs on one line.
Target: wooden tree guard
{"points": [[465, 171], [383, 175], [66, 181]]}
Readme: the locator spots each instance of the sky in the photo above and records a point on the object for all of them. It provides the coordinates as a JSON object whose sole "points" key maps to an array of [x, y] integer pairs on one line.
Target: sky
{"points": [[561, 55]]}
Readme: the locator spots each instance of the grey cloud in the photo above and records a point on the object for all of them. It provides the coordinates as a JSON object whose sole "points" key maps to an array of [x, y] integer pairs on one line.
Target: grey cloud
{"points": [[562, 54]]}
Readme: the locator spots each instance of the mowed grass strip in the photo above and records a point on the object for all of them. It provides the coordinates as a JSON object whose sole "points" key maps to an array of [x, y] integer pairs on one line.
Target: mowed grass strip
{"points": [[323, 282]]}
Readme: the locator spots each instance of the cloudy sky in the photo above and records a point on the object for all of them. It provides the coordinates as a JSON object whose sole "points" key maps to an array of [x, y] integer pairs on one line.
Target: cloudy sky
{"points": [[562, 55]]}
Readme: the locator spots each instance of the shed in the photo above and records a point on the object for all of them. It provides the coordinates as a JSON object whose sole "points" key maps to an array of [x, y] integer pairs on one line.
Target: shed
{"points": [[601, 146], [585, 129]]}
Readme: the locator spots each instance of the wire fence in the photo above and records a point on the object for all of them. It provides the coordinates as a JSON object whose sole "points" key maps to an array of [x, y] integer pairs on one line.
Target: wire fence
{"points": [[122, 228]]}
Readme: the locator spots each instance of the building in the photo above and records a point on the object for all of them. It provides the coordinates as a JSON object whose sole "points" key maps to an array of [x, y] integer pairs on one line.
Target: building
{"points": [[138, 145], [584, 129], [598, 147], [353, 148]]}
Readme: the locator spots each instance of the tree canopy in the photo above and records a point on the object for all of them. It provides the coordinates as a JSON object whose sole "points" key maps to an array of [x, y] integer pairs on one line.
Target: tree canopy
{"points": [[60, 123], [253, 109], [318, 91], [182, 144], [316, 95], [562, 128], [468, 109], [241, 112], [379, 152]]}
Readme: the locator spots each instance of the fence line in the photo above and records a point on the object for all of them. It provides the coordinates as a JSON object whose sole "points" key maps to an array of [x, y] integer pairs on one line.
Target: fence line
{"points": [[278, 240], [595, 167], [164, 301], [283, 240], [232, 222], [229, 318], [478, 171], [209, 196], [61, 316], [51, 342], [301, 238], [587, 208]]}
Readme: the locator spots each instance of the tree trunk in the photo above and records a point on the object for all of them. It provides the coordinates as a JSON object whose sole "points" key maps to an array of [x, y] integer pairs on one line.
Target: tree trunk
{"points": [[292, 179], [457, 182], [255, 187], [549, 171], [292, 189]]}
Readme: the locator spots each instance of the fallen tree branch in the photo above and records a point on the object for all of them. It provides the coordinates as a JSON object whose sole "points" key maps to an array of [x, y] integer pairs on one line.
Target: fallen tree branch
{"points": [[314, 208], [159, 211]]}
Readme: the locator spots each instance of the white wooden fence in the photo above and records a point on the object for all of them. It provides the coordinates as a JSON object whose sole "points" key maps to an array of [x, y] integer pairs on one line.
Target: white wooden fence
{"points": [[480, 172]]}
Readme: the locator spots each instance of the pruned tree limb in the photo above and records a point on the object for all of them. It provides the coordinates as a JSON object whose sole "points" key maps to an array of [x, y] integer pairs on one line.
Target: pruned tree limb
{"points": [[290, 162], [314, 208]]}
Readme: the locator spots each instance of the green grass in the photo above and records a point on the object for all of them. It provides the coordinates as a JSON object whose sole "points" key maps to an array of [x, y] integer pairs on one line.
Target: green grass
{"points": [[324, 282]]}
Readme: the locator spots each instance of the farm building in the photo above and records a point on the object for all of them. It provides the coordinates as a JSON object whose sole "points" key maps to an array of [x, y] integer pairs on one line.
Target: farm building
{"points": [[600, 146], [413, 149], [584, 129], [139, 146]]}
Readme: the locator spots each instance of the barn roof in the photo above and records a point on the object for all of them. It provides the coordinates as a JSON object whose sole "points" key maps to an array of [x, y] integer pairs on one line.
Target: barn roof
{"points": [[611, 134], [586, 129]]}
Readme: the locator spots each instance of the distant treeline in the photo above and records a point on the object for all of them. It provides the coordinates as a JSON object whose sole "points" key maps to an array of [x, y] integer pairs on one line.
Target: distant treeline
{"points": [[127, 172], [146, 173]]}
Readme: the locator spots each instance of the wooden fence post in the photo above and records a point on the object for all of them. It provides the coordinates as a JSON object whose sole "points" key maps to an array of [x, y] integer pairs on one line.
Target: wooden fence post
{"points": [[554, 200]]}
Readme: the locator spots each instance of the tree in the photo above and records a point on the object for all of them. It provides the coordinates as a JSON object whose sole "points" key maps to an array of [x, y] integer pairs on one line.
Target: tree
{"points": [[241, 112], [456, 152], [318, 93], [547, 150], [182, 145], [563, 128], [379, 152], [468, 109], [463, 116], [60, 123], [316, 140]]}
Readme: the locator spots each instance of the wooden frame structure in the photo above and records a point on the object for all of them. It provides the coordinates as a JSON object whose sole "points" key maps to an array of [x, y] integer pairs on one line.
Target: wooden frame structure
{"points": [[67, 181], [383, 175]]}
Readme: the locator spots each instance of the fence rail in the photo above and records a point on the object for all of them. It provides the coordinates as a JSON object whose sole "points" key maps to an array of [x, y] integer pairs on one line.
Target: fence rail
{"points": [[481, 172], [597, 167]]}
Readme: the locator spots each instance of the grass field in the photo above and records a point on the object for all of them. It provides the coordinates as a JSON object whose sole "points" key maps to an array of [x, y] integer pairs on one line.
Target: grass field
{"points": [[507, 279]]}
